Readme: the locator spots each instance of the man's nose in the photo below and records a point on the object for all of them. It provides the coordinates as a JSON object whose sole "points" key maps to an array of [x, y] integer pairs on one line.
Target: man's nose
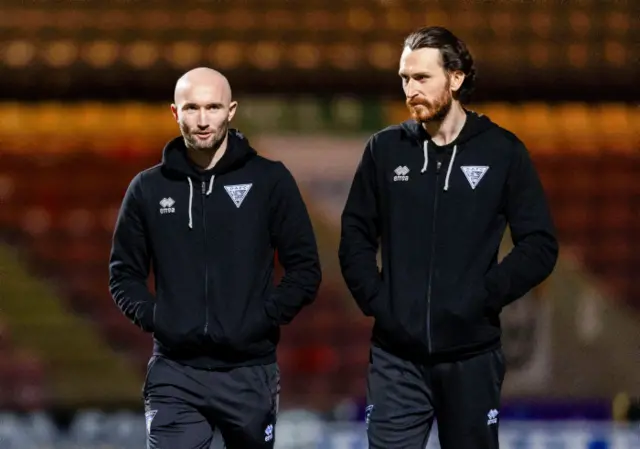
{"points": [[202, 120], [410, 90]]}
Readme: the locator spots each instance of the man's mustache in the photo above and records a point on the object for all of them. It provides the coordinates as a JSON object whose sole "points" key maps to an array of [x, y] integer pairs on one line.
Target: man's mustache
{"points": [[418, 102]]}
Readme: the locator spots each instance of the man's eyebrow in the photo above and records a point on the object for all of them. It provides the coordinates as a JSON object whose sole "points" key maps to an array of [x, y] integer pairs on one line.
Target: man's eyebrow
{"points": [[423, 73], [208, 105]]}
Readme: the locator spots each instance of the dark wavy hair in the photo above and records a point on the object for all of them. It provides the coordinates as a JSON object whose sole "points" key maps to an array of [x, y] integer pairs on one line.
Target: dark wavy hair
{"points": [[454, 54]]}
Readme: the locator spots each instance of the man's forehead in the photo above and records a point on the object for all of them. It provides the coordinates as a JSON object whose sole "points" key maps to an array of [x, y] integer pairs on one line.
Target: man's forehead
{"points": [[420, 59], [202, 93]]}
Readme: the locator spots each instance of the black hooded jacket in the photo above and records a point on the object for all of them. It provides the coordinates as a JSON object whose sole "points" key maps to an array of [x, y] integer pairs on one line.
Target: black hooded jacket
{"points": [[441, 213], [210, 237]]}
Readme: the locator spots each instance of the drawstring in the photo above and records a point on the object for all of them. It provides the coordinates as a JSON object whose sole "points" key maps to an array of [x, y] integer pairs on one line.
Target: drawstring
{"points": [[425, 150], [453, 158], [191, 197], [190, 202]]}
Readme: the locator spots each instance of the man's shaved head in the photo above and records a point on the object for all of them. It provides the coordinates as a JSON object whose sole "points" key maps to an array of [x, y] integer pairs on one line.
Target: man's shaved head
{"points": [[203, 107], [202, 76]]}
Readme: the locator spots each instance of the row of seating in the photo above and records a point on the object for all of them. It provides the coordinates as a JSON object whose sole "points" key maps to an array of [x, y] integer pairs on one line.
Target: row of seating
{"points": [[516, 17]]}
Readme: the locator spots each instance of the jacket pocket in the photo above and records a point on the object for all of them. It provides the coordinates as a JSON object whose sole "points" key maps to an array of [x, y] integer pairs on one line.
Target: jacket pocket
{"points": [[493, 300], [253, 333], [257, 329], [496, 291], [388, 323], [167, 326], [160, 331], [474, 305], [459, 318]]}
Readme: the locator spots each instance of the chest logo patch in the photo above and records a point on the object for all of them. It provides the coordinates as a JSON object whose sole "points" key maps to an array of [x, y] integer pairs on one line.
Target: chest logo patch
{"points": [[166, 206], [238, 193], [474, 174], [401, 173]]}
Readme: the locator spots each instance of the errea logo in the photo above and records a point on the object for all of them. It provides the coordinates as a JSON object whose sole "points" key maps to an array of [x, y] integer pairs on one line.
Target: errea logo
{"points": [[401, 173], [166, 206], [492, 417], [268, 433]]}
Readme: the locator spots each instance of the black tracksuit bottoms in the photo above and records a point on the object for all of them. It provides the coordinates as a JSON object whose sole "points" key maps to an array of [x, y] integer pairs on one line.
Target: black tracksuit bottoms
{"points": [[185, 405], [404, 398]]}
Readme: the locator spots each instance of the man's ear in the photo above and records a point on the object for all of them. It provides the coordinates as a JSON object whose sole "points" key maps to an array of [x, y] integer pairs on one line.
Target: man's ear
{"points": [[456, 79], [233, 106], [174, 111]]}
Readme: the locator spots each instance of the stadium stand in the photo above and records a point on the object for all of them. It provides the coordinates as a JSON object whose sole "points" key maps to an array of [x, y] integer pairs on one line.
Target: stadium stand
{"points": [[586, 50]]}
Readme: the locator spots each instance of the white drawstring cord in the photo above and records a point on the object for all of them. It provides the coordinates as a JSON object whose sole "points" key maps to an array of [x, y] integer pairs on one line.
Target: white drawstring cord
{"points": [[190, 202], [453, 158], [425, 150]]}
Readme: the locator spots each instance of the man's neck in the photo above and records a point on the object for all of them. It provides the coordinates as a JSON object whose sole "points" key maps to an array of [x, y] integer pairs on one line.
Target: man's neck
{"points": [[207, 159], [447, 130]]}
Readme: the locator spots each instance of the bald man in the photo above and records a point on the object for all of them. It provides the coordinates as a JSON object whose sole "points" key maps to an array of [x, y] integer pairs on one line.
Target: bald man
{"points": [[209, 219]]}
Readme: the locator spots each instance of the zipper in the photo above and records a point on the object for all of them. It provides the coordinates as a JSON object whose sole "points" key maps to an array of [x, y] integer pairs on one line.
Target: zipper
{"points": [[206, 268], [433, 254]]}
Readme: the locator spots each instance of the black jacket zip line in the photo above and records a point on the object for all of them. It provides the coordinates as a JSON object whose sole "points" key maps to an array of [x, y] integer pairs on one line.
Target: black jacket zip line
{"points": [[206, 267], [433, 254]]}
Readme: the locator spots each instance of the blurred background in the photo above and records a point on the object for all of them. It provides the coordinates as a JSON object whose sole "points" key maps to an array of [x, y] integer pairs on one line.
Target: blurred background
{"points": [[84, 105]]}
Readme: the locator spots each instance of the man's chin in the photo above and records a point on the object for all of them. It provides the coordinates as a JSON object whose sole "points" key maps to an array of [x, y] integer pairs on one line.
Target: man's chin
{"points": [[202, 145], [420, 114], [421, 117]]}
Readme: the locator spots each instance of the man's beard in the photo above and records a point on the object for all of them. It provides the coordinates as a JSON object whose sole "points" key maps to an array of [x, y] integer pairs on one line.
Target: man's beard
{"points": [[423, 111], [192, 141]]}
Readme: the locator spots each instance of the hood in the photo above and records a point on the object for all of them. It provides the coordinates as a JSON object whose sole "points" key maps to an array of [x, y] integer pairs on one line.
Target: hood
{"points": [[175, 160], [475, 125], [176, 163]]}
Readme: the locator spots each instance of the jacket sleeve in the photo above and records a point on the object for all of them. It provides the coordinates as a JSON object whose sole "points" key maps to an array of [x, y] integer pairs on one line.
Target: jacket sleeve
{"points": [[360, 233], [535, 250], [129, 261], [295, 243]]}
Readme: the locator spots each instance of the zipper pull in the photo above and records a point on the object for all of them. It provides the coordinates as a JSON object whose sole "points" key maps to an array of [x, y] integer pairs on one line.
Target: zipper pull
{"points": [[204, 187], [438, 165]]}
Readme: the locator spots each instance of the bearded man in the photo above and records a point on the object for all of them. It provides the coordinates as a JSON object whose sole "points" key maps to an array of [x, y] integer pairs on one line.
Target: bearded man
{"points": [[437, 192]]}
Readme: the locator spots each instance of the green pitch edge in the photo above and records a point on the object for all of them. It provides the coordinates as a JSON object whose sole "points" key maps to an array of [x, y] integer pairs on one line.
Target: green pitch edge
{"points": [[81, 369]]}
